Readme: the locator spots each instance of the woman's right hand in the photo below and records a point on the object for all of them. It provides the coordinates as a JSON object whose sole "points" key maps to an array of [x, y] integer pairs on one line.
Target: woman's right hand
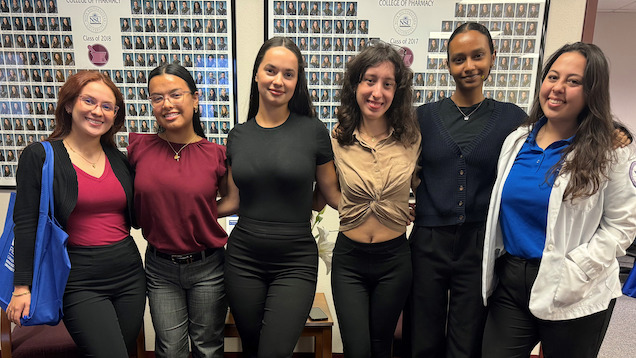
{"points": [[20, 304], [328, 185]]}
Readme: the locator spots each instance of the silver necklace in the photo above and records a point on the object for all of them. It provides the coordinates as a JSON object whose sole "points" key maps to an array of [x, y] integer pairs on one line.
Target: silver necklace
{"points": [[176, 152], [467, 116]]}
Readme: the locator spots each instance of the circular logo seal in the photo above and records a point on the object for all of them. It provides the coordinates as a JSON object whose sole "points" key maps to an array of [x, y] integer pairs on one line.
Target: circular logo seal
{"points": [[98, 54], [405, 22], [95, 19]]}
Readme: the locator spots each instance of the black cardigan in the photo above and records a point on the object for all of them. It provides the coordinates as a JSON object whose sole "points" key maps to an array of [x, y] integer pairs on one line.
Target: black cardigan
{"points": [[29, 180], [456, 183]]}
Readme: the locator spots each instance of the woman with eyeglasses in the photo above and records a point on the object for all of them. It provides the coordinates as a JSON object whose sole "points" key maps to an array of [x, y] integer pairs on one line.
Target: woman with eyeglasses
{"points": [[178, 175], [105, 298], [273, 160]]}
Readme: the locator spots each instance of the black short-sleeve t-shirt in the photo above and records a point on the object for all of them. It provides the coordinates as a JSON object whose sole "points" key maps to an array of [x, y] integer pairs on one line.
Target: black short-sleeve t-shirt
{"points": [[274, 168]]}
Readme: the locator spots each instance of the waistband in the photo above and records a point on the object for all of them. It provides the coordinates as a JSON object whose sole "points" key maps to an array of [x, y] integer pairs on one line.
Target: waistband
{"points": [[519, 260], [128, 240], [458, 228], [374, 246], [273, 227], [183, 258]]}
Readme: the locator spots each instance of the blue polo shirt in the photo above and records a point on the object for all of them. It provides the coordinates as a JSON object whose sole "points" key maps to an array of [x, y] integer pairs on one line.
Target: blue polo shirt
{"points": [[526, 193]]}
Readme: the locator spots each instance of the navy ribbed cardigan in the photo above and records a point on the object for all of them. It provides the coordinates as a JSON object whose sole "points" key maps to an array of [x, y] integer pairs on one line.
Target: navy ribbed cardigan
{"points": [[456, 184]]}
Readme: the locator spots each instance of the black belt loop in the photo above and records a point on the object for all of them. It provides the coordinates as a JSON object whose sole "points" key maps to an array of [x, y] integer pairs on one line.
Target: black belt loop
{"points": [[182, 258]]}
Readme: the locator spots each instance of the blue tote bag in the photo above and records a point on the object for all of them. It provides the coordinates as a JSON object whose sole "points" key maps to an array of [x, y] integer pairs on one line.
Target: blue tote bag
{"points": [[6, 255], [51, 264], [629, 288]]}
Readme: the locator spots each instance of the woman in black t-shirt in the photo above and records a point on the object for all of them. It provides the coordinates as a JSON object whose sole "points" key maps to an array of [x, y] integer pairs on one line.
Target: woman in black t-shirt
{"points": [[273, 159]]}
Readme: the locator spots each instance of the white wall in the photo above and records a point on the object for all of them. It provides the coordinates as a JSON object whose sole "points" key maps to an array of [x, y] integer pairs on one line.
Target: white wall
{"points": [[613, 33], [565, 18], [565, 23]]}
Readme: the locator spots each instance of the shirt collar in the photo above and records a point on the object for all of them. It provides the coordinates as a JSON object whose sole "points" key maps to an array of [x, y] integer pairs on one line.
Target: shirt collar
{"points": [[532, 137], [356, 134]]}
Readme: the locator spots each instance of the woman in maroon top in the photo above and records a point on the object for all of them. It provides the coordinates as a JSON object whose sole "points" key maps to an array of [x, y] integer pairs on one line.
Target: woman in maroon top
{"points": [[178, 176]]}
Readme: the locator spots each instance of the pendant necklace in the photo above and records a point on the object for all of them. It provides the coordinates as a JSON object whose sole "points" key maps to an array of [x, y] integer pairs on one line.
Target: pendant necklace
{"points": [[369, 136], [373, 137], [176, 152], [93, 164], [467, 116]]}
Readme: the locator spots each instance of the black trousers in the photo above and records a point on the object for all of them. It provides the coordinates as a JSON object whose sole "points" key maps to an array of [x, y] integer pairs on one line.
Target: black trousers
{"points": [[270, 278], [105, 298], [370, 284], [513, 331], [445, 314]]}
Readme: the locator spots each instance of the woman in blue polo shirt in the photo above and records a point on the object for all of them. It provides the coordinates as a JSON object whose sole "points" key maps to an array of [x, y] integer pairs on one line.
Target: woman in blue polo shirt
{"points": [[562, 209]]}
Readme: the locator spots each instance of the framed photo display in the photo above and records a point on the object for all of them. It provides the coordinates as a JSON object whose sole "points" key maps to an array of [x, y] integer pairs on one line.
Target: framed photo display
{"points": [[45, 41], [330, 33]]}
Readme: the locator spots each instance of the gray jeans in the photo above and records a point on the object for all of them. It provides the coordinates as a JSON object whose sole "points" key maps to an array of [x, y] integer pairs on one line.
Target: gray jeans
{"points": [[187, 301]]}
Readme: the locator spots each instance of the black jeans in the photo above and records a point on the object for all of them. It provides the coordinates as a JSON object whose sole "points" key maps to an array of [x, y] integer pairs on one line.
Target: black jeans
{"points": [[105, 298], [370, 284], [513, 331], [271, 272], [445, 315]]}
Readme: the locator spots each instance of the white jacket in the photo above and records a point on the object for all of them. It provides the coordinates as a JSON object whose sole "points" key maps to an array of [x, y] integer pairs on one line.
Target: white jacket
{"points": [[578, 274]]}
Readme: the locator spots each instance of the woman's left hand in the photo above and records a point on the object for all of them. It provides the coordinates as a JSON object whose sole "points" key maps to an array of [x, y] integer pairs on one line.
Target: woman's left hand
{"points": [[411, 214]]}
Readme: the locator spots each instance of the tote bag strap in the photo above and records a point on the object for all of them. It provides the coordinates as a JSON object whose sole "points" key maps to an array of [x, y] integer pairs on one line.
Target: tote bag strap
{"points": [[46, 195]]}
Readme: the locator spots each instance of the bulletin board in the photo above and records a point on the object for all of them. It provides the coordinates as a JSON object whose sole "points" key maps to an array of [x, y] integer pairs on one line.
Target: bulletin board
{"points": [[45, 41], [331, 33]]}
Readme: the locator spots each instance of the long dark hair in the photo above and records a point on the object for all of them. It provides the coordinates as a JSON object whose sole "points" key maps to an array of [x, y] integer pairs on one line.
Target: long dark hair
{"points": [[300, 103], [182, 73], [67, 97], [592, 147], [400, 115]]}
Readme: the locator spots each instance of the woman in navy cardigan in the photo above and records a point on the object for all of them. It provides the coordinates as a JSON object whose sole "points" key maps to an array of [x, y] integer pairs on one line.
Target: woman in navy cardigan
{"points": [[461, 139]]}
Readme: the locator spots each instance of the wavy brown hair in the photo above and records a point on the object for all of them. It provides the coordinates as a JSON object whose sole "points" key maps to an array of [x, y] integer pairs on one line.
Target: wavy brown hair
{"points": [[400, 115], [591, 153], [68, 96]]}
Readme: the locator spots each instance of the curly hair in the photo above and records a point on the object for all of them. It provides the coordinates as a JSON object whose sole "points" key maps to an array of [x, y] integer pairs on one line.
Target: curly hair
{"points": [[591, 153], [68, 95], [400, 115], [300, 103]]}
